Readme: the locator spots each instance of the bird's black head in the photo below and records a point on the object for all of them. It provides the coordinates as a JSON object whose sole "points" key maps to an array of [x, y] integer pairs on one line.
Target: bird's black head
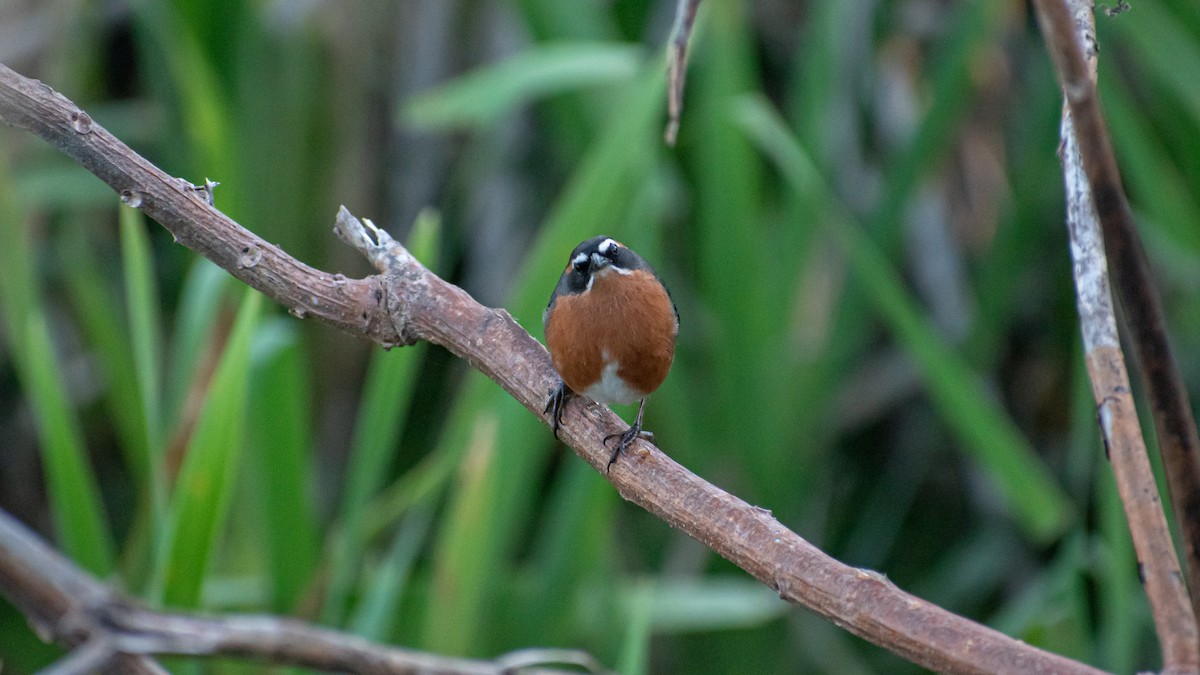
{"points": [[599, 252], [592, 257]]}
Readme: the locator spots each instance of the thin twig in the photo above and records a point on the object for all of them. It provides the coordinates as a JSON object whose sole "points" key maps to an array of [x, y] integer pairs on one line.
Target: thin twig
{"points": [[51, 593], [1178, 440], [420, 305], [109, 629], [677, 59]]}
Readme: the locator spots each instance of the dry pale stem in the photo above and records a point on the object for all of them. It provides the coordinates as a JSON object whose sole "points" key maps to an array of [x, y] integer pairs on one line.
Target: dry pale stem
{"points": [[1099, 220]]}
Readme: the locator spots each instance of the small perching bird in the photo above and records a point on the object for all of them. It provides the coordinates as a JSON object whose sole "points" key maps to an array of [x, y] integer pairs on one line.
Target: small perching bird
{"points": [[611, 329]]}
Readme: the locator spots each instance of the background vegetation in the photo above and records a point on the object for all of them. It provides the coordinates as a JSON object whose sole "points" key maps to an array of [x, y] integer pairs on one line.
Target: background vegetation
{"points": [[861, 226]]}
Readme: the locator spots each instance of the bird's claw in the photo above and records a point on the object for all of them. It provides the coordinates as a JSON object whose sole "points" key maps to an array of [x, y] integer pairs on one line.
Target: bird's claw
{"points": [[627, 438], [555, 404]]}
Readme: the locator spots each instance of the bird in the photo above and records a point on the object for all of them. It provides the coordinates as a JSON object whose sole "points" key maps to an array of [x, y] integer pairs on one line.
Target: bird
{"points": [[610, 328]]}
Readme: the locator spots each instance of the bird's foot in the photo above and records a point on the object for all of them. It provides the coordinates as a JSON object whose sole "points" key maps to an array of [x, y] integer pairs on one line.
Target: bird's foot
{"points": [[555, 404], [626, 439]]}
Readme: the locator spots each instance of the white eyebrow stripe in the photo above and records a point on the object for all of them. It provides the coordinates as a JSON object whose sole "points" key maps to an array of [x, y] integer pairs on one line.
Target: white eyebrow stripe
{"points": [[607, 245], [581, 258]]}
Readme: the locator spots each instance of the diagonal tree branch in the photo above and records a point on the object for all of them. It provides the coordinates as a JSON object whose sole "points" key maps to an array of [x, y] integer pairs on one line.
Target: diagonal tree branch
{"points": [[353, 305], [1140, 303], [406, 302]]}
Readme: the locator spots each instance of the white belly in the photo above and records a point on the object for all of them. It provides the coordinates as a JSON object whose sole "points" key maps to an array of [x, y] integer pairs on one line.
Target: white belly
{"points": [[610, 389]]}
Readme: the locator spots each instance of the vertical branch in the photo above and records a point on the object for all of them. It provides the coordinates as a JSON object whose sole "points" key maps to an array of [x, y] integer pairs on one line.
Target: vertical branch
{"points": [[677, 58], [1173, 614], [1177, 437]]}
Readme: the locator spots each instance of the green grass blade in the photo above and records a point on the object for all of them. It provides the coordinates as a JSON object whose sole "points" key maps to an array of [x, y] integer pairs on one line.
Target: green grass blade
{"points": [[374, 617], [1155, 183], [465, 549], [637, 623], [730, 233], [93, 298], [390, 382], [420, 485], [596, 196], [1038, 503], [281, 443], [486, 95], [141, 298], [556, 20], [572, 547], [74, 496], [195, 319], [571, 119], [204, 487], [61, 185], [176, 60], [1165, 51], [712, 603], [824, 72]]}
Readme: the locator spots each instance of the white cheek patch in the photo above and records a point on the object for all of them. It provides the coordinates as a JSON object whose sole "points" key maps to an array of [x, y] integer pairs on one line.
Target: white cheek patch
{"points": [[604, 265], [603, 271]]}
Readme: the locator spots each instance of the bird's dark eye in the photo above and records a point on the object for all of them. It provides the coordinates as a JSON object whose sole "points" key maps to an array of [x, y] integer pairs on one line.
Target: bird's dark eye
{"points": [[610, 249], [580, 264]]}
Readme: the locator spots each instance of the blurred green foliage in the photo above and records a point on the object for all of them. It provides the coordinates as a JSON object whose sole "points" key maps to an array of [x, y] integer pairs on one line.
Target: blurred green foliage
{"points": [[861, 226]]}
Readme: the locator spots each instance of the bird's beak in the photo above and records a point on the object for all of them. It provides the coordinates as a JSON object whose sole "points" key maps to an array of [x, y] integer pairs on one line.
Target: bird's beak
{"points": [[599, 262]]}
